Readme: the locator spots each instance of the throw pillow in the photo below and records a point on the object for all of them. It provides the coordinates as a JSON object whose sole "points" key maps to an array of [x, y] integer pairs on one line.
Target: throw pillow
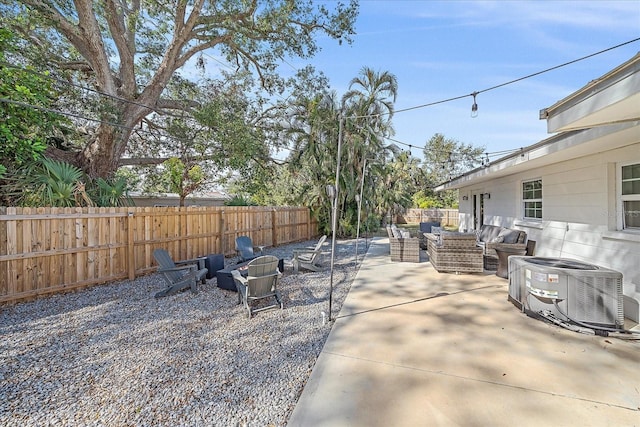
{"points": [[436, 230], [497, 239], [405, 234], [509, 236], [396, 233]]}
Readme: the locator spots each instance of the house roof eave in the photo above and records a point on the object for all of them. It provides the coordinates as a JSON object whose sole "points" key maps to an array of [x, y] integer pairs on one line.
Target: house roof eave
{"points": [[612, 98], [560, 147]]}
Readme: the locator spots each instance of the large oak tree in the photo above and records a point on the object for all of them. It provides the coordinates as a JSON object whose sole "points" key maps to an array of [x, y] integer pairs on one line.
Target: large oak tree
{"points": [[130, 50]]}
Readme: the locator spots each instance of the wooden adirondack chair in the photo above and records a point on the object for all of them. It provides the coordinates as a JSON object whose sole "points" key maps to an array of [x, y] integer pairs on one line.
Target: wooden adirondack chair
{"points": [[245, 249], [178, 275], [308, 258], [261, 282]]}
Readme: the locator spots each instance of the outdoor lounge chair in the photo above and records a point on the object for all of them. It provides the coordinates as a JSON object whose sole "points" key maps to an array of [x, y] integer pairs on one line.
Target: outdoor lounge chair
{"points": [[245, 249], [261, 282], [178, 277], [308, 258]]}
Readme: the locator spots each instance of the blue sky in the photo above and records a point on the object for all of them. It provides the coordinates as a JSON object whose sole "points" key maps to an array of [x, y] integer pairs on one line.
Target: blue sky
{"points": [[440, 50]]}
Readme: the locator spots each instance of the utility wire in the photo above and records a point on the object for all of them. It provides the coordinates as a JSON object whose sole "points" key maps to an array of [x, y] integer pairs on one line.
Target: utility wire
{"points": [[455, 98], [74, 115], [76, 85], [118, 125], [473, 94]]}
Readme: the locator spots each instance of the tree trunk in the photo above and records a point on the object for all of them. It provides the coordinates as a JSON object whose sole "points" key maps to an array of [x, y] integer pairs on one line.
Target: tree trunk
{"points": [[100, 158]]}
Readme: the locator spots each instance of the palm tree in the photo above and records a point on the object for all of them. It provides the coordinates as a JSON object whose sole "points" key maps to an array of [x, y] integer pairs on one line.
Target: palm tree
{"points": [[314, 132], [400, 183], [50, 182], [366, 111], [369, 109]]}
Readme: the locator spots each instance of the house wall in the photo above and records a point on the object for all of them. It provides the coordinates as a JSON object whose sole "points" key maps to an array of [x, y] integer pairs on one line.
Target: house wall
{"points": [[579, 214]]}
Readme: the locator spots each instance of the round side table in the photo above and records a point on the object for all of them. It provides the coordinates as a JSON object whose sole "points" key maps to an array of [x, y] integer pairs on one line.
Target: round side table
{"points": [[503, 260]]}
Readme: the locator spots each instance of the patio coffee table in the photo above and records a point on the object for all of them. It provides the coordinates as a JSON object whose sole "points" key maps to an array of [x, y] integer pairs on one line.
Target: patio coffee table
{"points": [[225, 278]]}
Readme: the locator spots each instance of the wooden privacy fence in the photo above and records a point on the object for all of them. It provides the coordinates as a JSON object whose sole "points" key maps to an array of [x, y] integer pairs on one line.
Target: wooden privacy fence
{"points": [[46, 250], [448, 217]]}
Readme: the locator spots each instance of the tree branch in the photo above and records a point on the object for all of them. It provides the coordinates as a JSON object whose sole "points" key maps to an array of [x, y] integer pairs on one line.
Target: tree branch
{"points": [[69, 29], [115, 14], [173, 104]]}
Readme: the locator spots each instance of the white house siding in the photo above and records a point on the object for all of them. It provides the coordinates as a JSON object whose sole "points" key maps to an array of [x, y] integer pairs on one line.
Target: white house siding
{"points": [[579, 214]]}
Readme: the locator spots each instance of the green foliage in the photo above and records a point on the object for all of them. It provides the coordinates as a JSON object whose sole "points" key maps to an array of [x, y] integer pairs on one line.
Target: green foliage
{"points": [[137, 50], [444, 159], [238, 201], [23, 129], [183, 178], [348, 222], [315, 126], [371, 223], [49, 183], [399, 184], [54, 183], [111, 192], [424, 201]]}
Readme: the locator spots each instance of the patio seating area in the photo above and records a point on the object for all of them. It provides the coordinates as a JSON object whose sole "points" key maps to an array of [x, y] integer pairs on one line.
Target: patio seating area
{"points": [[412, 347]]}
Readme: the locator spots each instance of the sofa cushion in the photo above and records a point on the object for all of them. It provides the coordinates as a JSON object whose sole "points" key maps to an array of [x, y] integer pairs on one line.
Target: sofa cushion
{"points": [[488, 232], [498, 239], [396, 233], [509, 236], [426, 227]]}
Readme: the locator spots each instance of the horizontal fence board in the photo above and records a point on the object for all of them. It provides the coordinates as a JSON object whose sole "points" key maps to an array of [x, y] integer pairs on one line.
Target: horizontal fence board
{"points": [[447, 217], [49, 250]]}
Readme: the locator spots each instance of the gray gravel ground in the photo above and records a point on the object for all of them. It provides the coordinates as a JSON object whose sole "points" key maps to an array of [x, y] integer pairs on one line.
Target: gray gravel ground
{"points": [[113, 355]]}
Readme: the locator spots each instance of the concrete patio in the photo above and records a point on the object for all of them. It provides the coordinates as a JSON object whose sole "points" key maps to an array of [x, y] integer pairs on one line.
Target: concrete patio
{"points": [[413, 347]]}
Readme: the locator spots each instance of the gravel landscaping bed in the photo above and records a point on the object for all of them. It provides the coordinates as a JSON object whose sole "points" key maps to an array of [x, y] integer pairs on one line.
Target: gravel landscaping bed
{"points": [[113, 355]]}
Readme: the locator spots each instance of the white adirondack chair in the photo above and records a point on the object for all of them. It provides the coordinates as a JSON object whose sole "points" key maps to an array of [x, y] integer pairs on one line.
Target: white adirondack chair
{"points": [[308, 258]]}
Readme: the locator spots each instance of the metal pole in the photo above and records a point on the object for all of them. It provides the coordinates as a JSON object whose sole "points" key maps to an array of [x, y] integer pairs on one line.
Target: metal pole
{"points": [[334, 220], [364, 165]]}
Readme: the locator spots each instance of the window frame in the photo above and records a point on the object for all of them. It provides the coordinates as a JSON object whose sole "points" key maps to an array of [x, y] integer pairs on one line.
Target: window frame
{"points": [[524, 201], [622, 198]]}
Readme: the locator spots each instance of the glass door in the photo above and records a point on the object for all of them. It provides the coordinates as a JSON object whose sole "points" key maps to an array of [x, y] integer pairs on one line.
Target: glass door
{"points": [[477, 210]]}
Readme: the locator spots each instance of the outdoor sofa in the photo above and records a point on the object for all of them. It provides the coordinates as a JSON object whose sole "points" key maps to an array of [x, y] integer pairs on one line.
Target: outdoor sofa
{"points": [[454, 252], [490, 237]]}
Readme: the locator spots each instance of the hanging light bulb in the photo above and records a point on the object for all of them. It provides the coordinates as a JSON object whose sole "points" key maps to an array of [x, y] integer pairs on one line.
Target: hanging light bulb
{"points": [[474, 107]]}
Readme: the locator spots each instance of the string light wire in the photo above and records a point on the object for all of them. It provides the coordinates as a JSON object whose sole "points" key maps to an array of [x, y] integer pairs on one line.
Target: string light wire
{"points": [[402, 110]]}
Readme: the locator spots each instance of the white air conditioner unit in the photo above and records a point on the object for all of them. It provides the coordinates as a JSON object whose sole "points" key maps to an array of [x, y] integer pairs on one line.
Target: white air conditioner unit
{"points": [[583, 292]]}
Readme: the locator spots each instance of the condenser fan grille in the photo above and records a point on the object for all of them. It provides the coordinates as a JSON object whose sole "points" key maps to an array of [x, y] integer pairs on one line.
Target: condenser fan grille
{"points": [[562, 263]]}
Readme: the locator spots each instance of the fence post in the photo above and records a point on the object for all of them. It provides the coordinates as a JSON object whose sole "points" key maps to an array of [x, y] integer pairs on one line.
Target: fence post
{"points": [[131, 259], [183, 217], [222, 236], [274, 228]]}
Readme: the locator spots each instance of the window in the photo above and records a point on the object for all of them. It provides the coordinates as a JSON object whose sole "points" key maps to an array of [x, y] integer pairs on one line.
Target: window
{"points": [[532, 199], [630, 196]]}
